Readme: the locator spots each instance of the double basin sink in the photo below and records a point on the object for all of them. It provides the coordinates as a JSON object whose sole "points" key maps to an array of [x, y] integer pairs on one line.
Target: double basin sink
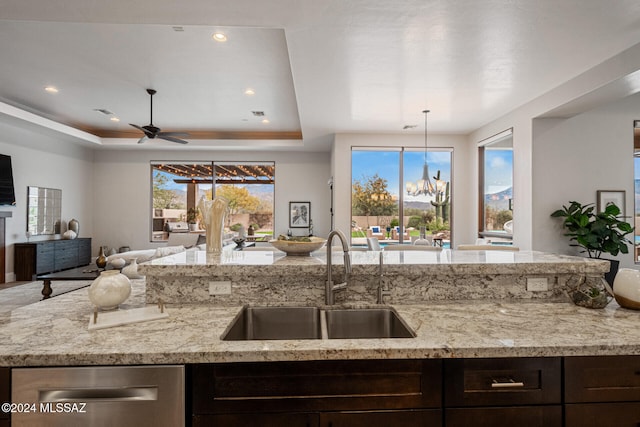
{"points": [[299, 323]]}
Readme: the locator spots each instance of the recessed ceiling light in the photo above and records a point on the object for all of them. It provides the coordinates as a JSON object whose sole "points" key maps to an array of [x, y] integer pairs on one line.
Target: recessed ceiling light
{"points": [[265, 121], [219, 37], [51, 89], [249, 91], [114, 119]]}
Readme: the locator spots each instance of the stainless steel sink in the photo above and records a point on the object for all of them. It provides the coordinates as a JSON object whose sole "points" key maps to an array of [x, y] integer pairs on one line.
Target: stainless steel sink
{"points": [[366, 323], [301, 323], [275, 323]]}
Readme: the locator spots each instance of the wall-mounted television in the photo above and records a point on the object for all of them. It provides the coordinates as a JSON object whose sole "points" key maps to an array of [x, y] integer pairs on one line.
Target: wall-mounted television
{"points": [[7, 192]]}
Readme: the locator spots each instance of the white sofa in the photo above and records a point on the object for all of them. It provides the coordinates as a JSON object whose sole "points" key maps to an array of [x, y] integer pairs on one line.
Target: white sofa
{"points": [[177, 242]]}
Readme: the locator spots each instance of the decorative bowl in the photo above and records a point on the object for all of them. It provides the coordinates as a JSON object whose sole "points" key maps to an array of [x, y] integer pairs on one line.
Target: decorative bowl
{"points": [[294, 248]]}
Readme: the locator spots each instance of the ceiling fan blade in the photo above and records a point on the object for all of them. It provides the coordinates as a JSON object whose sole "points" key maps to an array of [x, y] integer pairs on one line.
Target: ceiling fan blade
{"points": [[177, 134], [143, 139], [145, 129], [172, 139]]}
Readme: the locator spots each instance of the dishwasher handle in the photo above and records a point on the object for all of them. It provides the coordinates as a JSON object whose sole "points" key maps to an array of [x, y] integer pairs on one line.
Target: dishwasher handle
{"points": [[99, 394]]}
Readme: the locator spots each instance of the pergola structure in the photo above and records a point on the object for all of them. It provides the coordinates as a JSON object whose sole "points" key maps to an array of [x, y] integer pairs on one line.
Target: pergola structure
{"points": [[225, 173]]}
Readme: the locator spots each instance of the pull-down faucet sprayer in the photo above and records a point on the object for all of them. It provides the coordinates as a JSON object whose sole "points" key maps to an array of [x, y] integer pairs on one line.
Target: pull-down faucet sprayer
{"points": [[330, 288]]}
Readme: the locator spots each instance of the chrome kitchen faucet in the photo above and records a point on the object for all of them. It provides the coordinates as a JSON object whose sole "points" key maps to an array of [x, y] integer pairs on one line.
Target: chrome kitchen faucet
{"points": [[330, 288]]}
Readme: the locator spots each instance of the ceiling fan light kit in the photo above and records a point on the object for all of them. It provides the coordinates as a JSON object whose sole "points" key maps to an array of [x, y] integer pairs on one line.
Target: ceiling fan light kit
{"points": [[151, 132]]}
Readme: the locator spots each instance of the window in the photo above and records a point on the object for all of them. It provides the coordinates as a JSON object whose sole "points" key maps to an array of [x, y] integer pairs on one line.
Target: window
{"points": [[178, 186], [388, 184], [636, 180], [496, 188]]}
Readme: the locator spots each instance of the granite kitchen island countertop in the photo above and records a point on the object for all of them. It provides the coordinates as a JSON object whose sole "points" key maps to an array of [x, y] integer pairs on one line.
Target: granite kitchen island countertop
{"points": [[54, 333], [266, 263]]}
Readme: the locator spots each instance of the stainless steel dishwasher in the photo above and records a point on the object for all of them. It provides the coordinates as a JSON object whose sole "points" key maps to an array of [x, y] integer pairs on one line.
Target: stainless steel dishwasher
{"points": [[98, 396]]}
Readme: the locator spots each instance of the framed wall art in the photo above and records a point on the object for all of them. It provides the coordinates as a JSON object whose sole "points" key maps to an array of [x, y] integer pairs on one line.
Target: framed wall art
{"points": [[299, 214], [605, 197]]}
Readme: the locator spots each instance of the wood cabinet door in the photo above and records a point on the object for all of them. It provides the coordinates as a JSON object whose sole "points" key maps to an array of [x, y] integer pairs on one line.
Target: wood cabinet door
{"points": [[257, 419], [5, 391], [603, 414], [411, 418], [520, 416], [602, 379]]}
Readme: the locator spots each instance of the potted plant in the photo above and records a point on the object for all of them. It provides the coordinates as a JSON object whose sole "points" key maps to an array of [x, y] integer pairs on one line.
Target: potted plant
{"points": [[192, 218], [596, 233]]}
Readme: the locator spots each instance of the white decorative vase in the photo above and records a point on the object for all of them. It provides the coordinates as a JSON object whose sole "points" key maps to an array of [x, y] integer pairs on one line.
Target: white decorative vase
{"points": [[131, 270], [118, 263], [213, 213], [74, 226], [626, 288], [69, 235], [109, 290]]}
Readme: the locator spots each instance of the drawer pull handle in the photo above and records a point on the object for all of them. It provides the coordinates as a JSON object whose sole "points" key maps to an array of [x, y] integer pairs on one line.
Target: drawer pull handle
{"points": [[508, 384], [99, 394]]}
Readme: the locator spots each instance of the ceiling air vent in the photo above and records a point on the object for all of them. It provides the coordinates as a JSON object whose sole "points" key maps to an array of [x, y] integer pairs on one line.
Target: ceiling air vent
{"points": [[103, 111], [258, 113]]}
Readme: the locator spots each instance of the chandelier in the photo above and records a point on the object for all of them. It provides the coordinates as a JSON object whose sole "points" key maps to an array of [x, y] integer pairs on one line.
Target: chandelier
{"points": [[424, 185]]}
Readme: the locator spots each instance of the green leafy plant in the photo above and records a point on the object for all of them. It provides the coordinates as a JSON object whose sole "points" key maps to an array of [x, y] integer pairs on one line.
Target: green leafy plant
{"points": [[192, 215], [595, 233]]}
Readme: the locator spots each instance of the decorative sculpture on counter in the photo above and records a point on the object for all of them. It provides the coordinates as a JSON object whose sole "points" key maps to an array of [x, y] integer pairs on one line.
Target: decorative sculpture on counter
{"points": [[213, 213], [109, 290], [101, 261], [74, 226]]}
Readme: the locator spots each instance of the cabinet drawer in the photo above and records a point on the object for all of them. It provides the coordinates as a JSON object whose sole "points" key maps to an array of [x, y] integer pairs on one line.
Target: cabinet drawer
{"points": [[602, 414], [44, 249], [521, 416], [64, 244], [602, 379], [44, 259], [257, 419], [495, 382], [318, 385], [422, 418], [84, 251], [66, 254]]}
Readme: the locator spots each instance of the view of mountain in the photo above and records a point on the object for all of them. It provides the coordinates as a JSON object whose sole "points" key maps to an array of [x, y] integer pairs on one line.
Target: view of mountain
{"points": [[499, 200]]}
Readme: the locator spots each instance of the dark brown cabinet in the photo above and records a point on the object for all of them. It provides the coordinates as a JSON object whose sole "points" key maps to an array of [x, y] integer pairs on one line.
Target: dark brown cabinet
{"points": [[422, 418], [489, 392], [5, 395], [602, 391], [318, 393], [33, 259]]}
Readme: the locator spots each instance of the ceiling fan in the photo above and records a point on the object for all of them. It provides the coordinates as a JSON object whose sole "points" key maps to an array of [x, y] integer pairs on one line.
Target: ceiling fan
{"points": [[152, 132]]}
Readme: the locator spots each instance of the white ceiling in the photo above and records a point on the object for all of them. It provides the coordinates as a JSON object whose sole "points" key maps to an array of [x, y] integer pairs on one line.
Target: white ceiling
{"points": [[318, 67]]}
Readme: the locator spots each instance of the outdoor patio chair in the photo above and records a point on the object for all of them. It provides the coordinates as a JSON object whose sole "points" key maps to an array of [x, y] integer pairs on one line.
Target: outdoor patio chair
{"points": [[395, 233], [375, 231]]}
